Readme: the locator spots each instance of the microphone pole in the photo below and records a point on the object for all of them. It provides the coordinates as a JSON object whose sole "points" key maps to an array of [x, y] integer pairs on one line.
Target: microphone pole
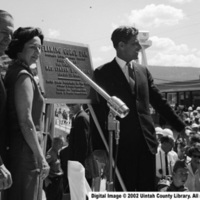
{"points": [[117, 108]]}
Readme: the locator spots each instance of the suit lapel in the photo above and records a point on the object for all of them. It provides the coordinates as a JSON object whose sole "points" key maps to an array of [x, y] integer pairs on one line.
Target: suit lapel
{"points": [[118, 75]]}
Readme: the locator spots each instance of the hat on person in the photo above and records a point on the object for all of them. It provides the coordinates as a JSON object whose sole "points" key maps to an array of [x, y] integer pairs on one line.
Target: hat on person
{"points": [[195, 112], [190, 108], [168, 132], [194, 125], [187, 120], [159, 131], [187, 132], [164, 182], [188, 128]]}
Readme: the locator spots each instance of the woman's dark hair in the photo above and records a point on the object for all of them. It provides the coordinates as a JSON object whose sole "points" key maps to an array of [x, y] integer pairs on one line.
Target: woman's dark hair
{"points": [[195, 148], [20, 37]]}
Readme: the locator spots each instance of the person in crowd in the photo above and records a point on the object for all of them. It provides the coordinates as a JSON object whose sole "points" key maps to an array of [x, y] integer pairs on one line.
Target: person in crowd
{"points": [[79, 134], [195, 127], [180, 148], [187, 121], [179, 178], [165, 157], [131, 82], [53, 184], [191, 140], [64, 157], [64, 114], [159, 133], [195, 117], [195, 138], [198, 110], [27, 162], [6, 31], [193, 181]]}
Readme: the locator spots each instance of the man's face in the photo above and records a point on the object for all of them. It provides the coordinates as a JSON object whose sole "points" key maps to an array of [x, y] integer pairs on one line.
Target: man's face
{"points": [[130, 49], [195, 159], [167, 146], [74, 108], [6, 31], [180, 177]]}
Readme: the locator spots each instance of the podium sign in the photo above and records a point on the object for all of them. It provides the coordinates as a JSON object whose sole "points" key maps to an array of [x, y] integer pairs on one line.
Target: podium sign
{"points": [[60, 83]]}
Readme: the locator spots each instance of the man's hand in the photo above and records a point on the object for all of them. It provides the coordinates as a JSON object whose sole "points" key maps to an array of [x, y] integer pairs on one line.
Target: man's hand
{"points": [[5, 178]]}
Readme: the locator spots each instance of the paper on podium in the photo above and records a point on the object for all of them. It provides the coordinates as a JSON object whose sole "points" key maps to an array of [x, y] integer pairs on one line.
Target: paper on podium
{"points": [[78, 184]]}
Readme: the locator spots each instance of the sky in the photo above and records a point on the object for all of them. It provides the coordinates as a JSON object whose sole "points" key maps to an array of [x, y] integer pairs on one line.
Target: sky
{"points": [[173, 25]]}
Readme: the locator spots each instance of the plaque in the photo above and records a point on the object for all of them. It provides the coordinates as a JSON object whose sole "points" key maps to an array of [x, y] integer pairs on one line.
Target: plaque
{"points": [[59, 82]]}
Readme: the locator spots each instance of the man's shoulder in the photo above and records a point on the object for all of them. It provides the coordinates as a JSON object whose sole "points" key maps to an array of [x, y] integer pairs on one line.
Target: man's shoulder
{"points": [[140, 67], [107, 66], [64, 150], [82, 116]]}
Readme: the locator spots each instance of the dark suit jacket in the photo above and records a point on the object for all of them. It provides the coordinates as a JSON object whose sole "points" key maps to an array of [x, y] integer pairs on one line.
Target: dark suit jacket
{"points": [[111, 78], [3, 98], [78, 140], [137, 143]]}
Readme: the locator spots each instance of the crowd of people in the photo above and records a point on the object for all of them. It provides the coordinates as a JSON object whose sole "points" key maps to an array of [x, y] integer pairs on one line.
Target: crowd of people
{"points": [[180, 153], [185, 149], [147, 156]]}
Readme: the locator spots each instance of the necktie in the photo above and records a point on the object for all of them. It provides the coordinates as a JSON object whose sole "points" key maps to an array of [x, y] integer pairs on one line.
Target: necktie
{"points": [[166, 164], [131, 77]]}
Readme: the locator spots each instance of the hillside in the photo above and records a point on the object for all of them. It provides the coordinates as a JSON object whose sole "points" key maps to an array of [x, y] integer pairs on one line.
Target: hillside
{"points": [[170, 74], [160, 74]]}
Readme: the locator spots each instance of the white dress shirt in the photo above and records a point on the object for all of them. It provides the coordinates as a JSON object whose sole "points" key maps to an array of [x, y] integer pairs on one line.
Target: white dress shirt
{"points": [[123, 66], [172, 157]]}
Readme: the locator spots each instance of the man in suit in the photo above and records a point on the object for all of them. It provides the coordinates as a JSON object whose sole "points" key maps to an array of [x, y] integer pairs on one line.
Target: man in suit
{"points": [[134, 85], [6, 30], [78, 139]]}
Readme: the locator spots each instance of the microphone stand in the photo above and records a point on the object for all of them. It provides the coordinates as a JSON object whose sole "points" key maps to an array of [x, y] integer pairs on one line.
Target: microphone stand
{"points": [[113, 127], [117, 108]]}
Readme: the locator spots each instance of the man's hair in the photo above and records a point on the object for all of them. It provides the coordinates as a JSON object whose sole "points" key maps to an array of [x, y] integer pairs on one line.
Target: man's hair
{"points": [[167, 139], [5, 13], [20, 37], [194, 138], [180, 164], [123, 34], [195, 148], [58, 139]]}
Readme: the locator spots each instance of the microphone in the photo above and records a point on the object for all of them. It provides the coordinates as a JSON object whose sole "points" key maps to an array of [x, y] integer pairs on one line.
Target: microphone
{"points": [[117, 106]]}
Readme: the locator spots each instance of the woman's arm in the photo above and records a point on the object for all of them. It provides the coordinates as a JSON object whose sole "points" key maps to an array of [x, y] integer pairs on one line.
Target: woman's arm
{"points": [[23, 101]]}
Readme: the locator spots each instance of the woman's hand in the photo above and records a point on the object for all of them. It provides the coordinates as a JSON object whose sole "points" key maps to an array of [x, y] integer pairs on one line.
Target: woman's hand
{"points": [[44, 168], [5, 178]]}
